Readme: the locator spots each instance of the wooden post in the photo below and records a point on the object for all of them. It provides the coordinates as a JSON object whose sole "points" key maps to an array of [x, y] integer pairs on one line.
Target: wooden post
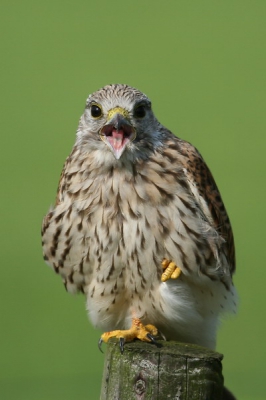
{"points": [[174, 371]]}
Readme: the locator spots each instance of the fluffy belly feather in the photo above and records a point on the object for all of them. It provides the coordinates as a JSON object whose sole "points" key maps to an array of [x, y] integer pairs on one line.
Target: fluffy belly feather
{"points": [[114, 253]]}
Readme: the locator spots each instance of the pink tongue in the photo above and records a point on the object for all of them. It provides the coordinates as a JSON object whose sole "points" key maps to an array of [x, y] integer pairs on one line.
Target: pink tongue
{"points": [[118, 141], [118, 135]]}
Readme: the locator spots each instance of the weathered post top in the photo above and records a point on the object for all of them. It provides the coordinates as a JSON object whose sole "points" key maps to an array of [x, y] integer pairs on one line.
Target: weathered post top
{"points": [[174, 371]]}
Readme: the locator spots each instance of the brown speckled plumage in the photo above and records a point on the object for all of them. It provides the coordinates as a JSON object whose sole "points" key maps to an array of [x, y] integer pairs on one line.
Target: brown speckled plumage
{"points": [[118, 216]]}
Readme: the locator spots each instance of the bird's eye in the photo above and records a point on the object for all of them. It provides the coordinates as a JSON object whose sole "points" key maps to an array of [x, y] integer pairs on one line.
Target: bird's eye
{"points": [[140, 111], [96, 111]]}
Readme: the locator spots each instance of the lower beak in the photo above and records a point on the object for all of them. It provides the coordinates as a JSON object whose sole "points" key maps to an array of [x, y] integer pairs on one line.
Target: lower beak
{"points": [[117, 134]]}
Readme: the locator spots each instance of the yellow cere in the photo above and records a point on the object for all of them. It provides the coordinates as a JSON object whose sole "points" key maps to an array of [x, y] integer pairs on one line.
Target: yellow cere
{"points": [[117, 110]]}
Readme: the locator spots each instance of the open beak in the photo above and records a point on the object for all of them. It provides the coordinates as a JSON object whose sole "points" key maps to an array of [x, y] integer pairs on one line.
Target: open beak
{"points": [[118, 131]]}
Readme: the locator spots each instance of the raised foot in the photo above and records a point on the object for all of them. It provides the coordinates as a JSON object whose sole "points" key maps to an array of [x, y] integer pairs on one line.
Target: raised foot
{"points": [[171, 270], [146, 333]]}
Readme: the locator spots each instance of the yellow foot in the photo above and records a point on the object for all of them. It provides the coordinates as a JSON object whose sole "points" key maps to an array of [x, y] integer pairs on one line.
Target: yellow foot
{"points": [[145, 333], [171, 270]]}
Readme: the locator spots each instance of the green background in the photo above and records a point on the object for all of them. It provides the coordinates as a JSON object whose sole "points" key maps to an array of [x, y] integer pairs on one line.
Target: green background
{"points": [[203, 65]]}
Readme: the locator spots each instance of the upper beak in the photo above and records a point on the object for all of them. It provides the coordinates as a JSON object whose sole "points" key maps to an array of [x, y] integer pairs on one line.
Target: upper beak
{"points": [[118, 132]]}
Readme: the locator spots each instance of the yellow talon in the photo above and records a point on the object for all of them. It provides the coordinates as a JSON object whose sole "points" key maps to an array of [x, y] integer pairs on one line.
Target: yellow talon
{"points": [[167, 274], [165, 263], [176, 273], [171, 271], [145, 333]]}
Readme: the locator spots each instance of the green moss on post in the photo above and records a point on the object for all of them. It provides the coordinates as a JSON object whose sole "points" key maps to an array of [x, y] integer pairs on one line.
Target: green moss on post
{"points": [[173, 371]]}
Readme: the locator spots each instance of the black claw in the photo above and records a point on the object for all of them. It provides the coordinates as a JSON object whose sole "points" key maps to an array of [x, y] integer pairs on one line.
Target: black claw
{"points": [[100, 345], [152, 338], [162, 335], [121, 344]]}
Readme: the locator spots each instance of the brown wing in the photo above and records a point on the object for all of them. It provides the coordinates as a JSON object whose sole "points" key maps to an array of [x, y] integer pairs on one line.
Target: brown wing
{"points": [[204, 187]]}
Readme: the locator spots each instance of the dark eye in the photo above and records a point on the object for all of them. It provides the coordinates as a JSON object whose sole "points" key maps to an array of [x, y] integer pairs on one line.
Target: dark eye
{"points": [[96, 111], [140, 111]]}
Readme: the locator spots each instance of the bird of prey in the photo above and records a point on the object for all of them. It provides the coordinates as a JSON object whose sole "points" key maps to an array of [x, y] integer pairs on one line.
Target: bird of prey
{"points": [[139, 226]]}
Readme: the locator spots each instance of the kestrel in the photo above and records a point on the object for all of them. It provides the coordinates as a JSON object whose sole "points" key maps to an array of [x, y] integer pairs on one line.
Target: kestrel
{"points": [[139, 226]]}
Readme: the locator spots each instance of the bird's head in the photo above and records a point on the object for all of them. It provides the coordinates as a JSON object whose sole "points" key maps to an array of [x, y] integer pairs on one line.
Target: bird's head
{"points": [[118, 118]]}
